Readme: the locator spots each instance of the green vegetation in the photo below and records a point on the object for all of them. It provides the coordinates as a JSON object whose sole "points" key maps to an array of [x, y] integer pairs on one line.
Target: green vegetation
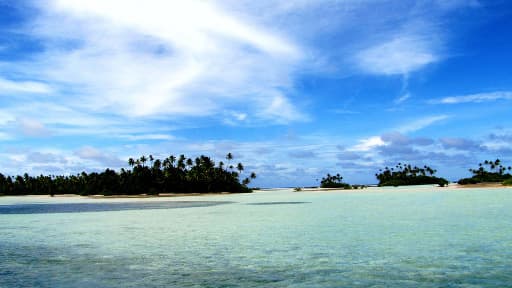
{"points": [[172, 175], [405, 174], [508, 182], [334, 181], [488, 171]]}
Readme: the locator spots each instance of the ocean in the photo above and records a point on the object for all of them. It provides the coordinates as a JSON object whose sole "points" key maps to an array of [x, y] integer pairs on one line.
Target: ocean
{"points": [[377, 237]]}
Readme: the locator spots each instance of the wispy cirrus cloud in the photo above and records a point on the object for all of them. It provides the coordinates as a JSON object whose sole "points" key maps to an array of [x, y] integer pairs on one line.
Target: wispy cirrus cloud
{"points": [[402, 98], [196, 58], [399, 55], [421, 123], [163, 58], [8, 87], [475, 98]]}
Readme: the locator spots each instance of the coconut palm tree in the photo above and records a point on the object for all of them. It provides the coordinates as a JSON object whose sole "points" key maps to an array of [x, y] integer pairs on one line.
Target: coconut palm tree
{"points": [[240, 167], [181, 162], [172, 159], [157, 164], [143, 160]]}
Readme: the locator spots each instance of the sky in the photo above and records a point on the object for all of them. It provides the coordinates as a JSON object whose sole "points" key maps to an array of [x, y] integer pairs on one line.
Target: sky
{"points": [[293, 89]]}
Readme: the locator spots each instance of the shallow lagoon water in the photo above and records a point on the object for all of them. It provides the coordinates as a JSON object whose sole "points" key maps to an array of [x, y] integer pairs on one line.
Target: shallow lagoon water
{"points": [[393, 237]]}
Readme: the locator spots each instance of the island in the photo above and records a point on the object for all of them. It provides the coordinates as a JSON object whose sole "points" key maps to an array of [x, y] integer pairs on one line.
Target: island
{"points": [[147, 175], [406, 174], [489, 171]]}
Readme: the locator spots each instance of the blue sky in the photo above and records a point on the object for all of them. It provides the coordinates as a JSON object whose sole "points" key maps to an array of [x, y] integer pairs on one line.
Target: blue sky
{"points": [[294, 89]]}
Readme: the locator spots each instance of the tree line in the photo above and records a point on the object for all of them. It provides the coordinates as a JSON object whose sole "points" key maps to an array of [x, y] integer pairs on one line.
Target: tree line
{"points": [[146, 175], [406, 174], [488, 171], [334, 181]]}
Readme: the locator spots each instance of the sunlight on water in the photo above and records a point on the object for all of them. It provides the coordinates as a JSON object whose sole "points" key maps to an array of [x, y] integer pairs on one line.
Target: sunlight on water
{"points": [[417, 237]]}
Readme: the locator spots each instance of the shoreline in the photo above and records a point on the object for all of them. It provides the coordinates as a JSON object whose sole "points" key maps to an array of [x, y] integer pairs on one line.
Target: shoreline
{"points": [[484, 185], [452, 186], [162, 195], [397, 189], [125, 196]]}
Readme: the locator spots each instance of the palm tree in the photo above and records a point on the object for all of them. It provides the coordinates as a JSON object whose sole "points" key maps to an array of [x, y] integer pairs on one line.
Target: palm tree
{"points": [[181, 162], [240, 167], [166, 163], [143, 160], [131, 162], [157, 164], [172, 159], [229, 157]]}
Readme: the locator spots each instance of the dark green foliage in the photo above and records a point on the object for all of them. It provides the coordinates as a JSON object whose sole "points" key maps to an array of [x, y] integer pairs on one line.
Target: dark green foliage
{"points": [[405, 174], [172, 175], [508, 182], [334, 181], [488, 171]]}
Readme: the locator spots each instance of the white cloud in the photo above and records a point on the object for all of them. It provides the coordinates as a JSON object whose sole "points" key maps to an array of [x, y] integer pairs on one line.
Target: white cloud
{"points": [[32, 127], [368, 144], [421, 123], [6, 117], [201, 58], [234, 118], [345, 111], [100, 157], [164, 58], [476, 98], [403, 98], [139, 137], [5, 136], [45, 158], [27, 87], [277, 106], [400, 55]]}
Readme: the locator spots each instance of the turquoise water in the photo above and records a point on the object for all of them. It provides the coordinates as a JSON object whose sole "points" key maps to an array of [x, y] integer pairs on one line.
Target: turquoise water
{"points": [[416, 237]]}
